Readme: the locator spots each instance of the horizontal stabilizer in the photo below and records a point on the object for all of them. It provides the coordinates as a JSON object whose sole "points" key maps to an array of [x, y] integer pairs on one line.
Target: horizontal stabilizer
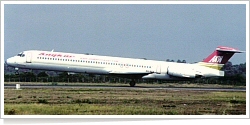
{"points": [[228, 49]]}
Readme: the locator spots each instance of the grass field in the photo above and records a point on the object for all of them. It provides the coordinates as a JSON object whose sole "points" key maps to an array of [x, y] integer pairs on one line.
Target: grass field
{"points": [[108, 101]]}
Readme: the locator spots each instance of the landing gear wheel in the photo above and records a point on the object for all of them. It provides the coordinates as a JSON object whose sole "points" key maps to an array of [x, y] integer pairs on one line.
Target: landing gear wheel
{"points": [[132, 83], [16, 71]]}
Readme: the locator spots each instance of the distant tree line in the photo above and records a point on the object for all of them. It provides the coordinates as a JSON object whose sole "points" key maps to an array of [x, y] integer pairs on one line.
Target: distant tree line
{"points": [[234, 75], [178, 61]]}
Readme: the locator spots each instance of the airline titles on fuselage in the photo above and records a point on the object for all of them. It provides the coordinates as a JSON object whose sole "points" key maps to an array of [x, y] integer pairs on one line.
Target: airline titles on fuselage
{"points": [[55, 55], [72, 58]]}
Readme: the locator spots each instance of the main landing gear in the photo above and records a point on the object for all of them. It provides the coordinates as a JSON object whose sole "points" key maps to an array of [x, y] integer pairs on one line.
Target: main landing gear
{"points": [[132, 83]]}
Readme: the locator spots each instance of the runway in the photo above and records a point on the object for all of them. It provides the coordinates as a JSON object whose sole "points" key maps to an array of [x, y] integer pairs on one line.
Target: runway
{"points": [[125, 87]]}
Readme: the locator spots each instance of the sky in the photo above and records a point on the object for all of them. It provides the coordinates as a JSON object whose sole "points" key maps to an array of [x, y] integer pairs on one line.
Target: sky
{"points": [[188, 32]]}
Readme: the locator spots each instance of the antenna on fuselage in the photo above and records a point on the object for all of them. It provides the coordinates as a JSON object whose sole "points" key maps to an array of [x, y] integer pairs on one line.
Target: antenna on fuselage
{"points": [[52, 50]]}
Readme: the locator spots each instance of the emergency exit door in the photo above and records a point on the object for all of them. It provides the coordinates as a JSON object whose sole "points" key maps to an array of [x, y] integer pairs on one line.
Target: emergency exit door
{"points": [[28, 58], [158, 69]]}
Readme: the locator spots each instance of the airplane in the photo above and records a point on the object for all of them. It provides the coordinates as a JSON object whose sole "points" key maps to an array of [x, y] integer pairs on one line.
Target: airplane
{"points": [[131, 68]]}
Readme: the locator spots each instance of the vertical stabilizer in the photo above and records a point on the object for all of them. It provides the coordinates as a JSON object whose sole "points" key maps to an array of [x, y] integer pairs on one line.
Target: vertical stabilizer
{"points": [[219, 57]]}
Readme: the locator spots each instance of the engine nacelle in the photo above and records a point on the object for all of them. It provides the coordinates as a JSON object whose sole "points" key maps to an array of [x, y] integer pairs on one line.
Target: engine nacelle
{"points": [[183, 72]]}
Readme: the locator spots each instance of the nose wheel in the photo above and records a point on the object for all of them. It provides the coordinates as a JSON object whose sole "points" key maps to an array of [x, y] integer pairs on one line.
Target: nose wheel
{"points": [[16, 71]]}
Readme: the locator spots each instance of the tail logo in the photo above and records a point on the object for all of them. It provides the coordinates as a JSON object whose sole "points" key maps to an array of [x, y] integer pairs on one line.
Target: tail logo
{"points": [[216, 59]]}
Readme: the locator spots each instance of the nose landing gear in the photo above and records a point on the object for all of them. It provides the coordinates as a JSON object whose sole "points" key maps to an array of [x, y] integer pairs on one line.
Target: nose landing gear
{"points": [[16, 71]]}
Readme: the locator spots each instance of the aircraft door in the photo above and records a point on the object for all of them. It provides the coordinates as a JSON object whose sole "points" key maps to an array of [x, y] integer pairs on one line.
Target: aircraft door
{"points": [[158, 69], [164, 68], [28, 58]]}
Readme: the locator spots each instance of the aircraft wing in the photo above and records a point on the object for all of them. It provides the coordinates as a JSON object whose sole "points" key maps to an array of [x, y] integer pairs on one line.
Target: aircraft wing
{"points": [[127, 73]]}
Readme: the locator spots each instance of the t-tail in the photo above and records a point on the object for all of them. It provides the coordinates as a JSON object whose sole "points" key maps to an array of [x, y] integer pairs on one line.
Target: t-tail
{"points": [[219, 57]]}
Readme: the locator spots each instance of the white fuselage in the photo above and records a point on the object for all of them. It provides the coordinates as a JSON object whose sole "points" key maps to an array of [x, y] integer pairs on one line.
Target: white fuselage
{"points": [[106, 65]]}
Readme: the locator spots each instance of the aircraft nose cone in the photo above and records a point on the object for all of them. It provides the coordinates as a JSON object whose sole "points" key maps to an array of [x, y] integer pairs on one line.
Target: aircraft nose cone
{"points": [[10, 61]]}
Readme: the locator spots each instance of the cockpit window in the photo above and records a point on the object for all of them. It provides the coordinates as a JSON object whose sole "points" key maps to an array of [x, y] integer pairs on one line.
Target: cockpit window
{"points": [[21, 54]]}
